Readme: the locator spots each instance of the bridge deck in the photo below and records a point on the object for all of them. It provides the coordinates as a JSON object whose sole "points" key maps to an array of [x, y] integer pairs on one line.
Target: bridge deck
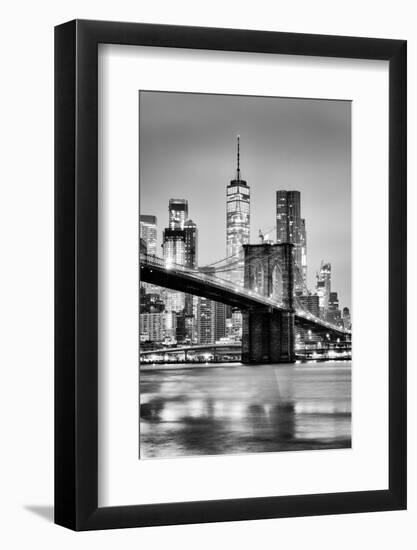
{"points": [[154, 271]]}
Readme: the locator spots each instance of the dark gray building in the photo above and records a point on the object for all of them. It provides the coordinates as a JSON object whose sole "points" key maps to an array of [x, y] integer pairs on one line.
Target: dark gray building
{"points": [[191, 244], [334, 315], [346, 318], [291, 229]]}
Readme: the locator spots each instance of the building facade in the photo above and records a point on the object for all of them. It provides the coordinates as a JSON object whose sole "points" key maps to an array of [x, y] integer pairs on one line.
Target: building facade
{"points": [[191, 244], [303, 247], [148, 244], [334, 315], [206, 321], [173, 246], [157, 327], [347, 323], [323, 286], [178, 213], [291, 228], [148, 232]]}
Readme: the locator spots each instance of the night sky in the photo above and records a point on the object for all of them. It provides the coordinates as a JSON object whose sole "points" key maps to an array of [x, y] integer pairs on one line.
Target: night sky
{"points": [[188, 150]]}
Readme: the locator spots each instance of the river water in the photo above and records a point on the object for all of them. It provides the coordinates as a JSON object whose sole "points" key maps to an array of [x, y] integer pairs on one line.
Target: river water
{"points": [[230, 409]]}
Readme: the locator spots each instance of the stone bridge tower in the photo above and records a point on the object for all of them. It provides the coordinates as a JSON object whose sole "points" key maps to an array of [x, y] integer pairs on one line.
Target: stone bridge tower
{"points": [[268, 334]]}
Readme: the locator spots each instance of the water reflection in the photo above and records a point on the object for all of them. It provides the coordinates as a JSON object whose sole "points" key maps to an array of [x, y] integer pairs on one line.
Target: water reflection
{"points": [[242, 409]]}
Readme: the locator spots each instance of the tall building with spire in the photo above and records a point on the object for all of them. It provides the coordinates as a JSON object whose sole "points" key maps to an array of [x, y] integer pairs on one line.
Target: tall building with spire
{"points": [[237, 234], [237, 220]]}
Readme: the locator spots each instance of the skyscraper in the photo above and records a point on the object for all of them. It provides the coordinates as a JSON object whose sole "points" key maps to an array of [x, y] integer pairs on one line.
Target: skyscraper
{"points": [[190, 260], [180, 246], [178, 213], [346, 318], [173, 246], [148, 232], [174, 254], [237, 220], [150, 302], [288, 216], [174, 236], [148, 243], [323, 286], [291, 228], [303, 245], [334, 315], [237, 233], [191, 242], [220, 320], [206, 321]]}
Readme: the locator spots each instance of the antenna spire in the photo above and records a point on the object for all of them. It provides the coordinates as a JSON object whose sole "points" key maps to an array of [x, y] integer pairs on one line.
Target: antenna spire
{"points": [[238, 159]]}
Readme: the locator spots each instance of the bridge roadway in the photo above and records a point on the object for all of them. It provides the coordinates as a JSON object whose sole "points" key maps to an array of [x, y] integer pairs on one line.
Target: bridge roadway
{"points": [[225, 347], [176, 277]]}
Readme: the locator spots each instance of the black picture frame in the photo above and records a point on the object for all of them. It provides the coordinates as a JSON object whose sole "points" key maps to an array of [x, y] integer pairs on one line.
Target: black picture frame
{"points": [[76, 272]]}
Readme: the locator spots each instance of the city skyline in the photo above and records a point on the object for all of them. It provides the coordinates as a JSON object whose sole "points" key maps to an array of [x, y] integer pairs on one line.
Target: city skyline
{"points": [[185, 318], [325, 204], [242, 212]]}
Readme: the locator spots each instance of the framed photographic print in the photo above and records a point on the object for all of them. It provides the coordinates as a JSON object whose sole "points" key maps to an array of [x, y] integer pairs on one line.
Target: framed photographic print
{"points": [[230, 275]]}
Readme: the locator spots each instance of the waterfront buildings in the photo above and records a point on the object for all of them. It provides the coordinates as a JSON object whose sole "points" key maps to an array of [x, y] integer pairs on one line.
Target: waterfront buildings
{"points": [[157, 327]]}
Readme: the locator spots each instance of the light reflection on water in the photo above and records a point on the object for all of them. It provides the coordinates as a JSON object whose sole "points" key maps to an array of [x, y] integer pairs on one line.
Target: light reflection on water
{"points": [[245, 409]]}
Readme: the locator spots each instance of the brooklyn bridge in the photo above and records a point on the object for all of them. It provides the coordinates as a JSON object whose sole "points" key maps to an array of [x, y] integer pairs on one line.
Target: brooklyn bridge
{"points": [[274, 317]]}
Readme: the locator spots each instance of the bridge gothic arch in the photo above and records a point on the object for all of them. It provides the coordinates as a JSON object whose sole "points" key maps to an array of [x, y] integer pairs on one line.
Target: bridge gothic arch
{"points": [[276, 283], [258, 278], [268, 334]]}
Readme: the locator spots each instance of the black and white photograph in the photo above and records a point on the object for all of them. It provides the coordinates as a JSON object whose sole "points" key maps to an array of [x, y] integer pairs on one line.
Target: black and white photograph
{"points": [[245, 274]]}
